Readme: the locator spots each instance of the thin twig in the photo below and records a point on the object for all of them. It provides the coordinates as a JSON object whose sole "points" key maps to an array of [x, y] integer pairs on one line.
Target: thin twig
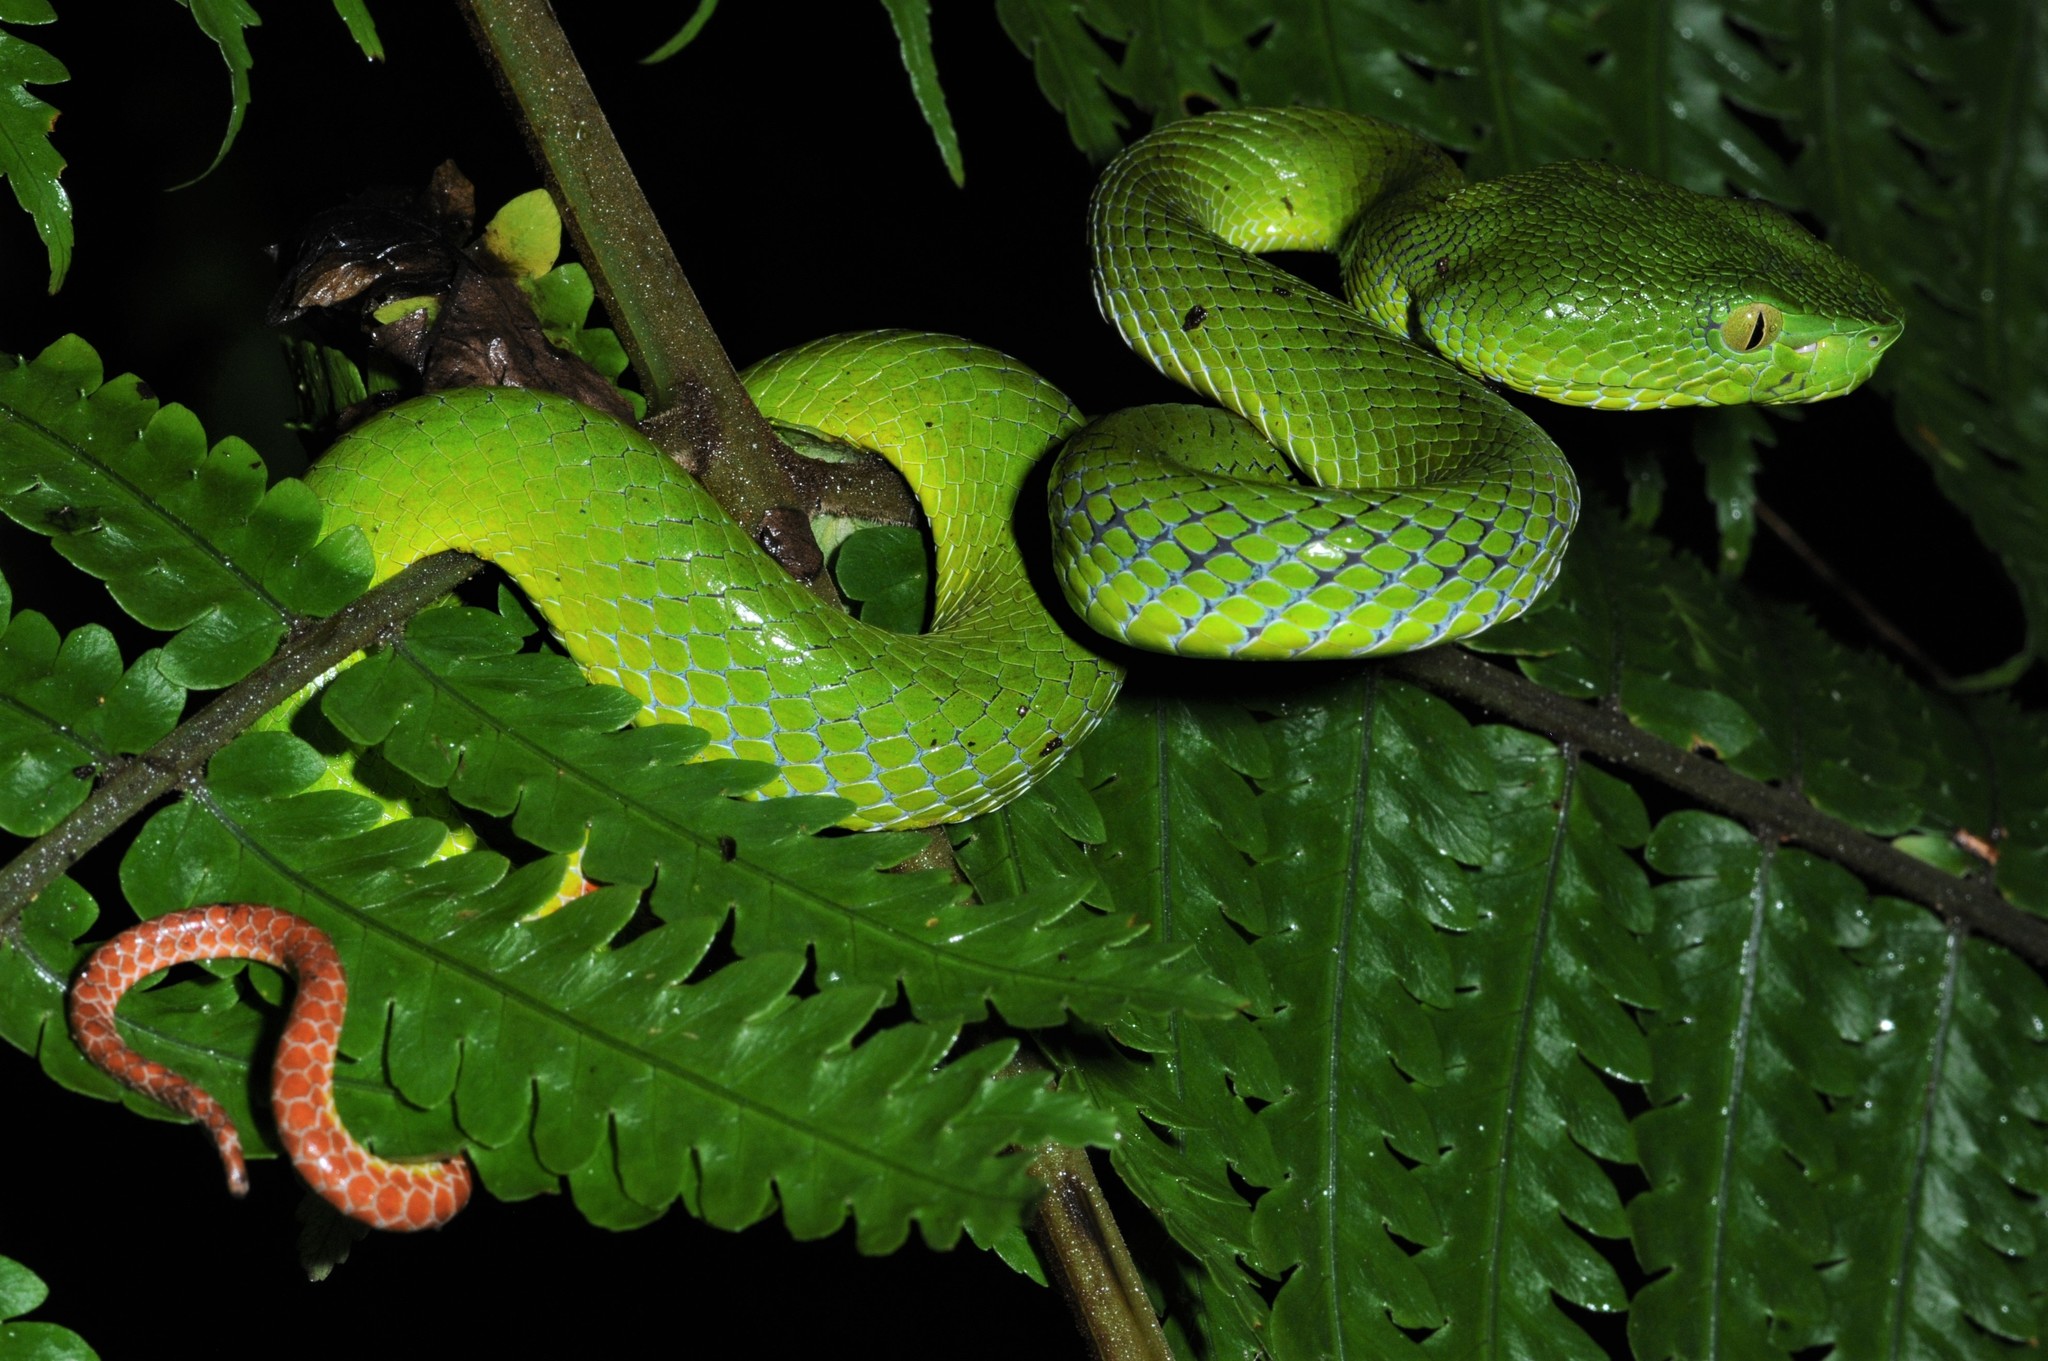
{"points": [[1879, 624], [1772, 811], [368, 620]]}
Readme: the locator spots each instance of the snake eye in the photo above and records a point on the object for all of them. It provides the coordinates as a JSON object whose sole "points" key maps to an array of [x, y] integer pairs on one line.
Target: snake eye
{"points": [[1752, 326]]}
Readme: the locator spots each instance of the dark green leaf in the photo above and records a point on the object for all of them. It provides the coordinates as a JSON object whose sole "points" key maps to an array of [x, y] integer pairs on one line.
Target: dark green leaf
{"points": [[655, 1079], [21, 1291], [361, 27], [66, 713], [1935, 1197], [226, 22], [885, 568], [912, 20], [1545, 974], [1726, 441], [1074, 73], [1180, 825], [29, 162], [1761, 1006]]}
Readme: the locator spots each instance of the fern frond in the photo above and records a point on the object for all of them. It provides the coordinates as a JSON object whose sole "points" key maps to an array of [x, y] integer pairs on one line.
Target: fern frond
{"points": [[22, 1292], [1928, 178], [523, 736], [1174, 834], [1936, 1197], [1761, 1000], [1074, 73], [2013, 794], [28, 162], [226, 23], [1032, 841], [68, 711], [1705, 665], [1547, 968], [1836, 1174], [1606, 631], [189, 539], [566, 1052], [912, 20], [37, 960], [1376, 801]]}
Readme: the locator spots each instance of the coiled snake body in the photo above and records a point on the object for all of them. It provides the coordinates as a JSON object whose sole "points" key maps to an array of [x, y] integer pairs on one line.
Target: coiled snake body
{"points": [[1420, 506]]}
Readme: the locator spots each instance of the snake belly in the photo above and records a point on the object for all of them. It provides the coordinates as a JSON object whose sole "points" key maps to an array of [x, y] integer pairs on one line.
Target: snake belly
{"points": [[1436, 509]]}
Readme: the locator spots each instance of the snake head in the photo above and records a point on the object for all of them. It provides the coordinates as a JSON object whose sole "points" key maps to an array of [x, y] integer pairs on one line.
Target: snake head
{"points": [[1592, 284]]}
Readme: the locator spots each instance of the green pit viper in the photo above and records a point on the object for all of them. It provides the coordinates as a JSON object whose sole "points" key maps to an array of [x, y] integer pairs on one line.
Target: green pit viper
{"points": [[1437, 508], [1440, 509]]}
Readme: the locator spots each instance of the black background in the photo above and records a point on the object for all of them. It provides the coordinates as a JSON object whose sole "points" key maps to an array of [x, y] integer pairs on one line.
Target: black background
{"points": [[804, 195]]}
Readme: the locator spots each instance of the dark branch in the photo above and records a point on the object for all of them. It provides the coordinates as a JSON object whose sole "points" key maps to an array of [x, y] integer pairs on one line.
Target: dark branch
{"points": [[367, 621], [701, 414], [1771, 811]]}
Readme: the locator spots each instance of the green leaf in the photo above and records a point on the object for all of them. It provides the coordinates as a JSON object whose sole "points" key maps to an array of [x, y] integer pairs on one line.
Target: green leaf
{"points": [[519, 735], [1074, 73], [912, 20], [35, 963], [1368, 835], [67, 711], [227, 23], [1547, 972], [1935, 1197], [1726, 442], [526, 235], [623, 1065], [1966, 393], [29, 162], [1605, 630], [1179, 823], [187, 538], [562, 299], [1031, 840], [1646, 484], [22, 1291], [2013, 813], [361, 27], [1703, 664], [686, 34], [886, 569], [1763, 1005]]}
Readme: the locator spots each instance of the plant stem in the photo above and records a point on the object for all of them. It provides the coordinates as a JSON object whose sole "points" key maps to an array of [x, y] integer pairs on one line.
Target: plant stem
{"points": [[702, 415], [365, 622], [1770, 810], [1093, 1268]]}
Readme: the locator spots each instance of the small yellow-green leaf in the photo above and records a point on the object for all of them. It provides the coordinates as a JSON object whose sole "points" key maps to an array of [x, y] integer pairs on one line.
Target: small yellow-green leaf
{"points": [[526, 235], [392, 311]]}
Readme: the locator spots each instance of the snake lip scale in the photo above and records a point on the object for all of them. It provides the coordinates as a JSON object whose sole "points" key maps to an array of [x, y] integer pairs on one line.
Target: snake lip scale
{"points": [[1366, 491]]}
